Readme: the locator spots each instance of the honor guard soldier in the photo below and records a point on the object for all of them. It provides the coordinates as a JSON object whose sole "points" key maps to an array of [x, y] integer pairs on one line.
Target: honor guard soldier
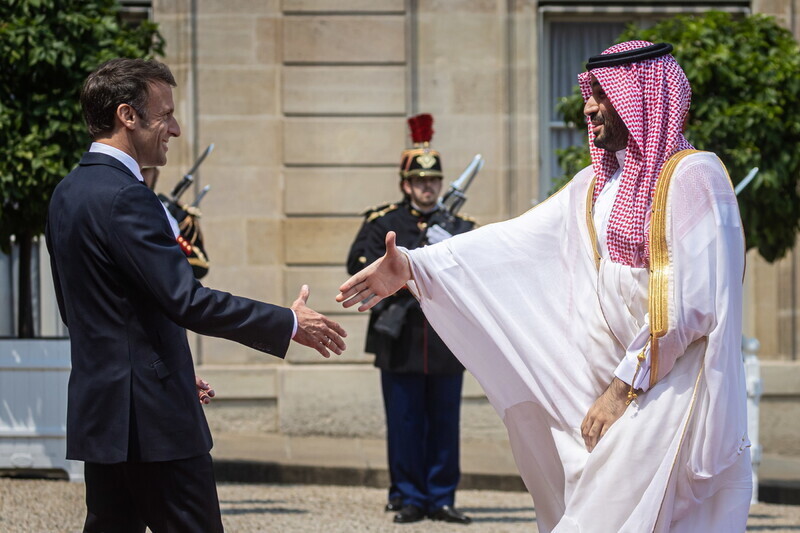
{"points": [[420, 377]]}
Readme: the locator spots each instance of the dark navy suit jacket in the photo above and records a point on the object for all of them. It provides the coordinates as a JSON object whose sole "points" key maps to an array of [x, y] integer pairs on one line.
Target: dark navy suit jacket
{"points": [[128, 294]]}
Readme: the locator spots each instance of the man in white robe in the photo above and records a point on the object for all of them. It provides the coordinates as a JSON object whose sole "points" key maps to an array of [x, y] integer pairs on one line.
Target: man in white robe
{"points": [[604, 325]]}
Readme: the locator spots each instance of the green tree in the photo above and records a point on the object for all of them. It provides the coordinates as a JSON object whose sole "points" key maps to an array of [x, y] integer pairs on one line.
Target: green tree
{"points": [[47, 48], [745, 77]]}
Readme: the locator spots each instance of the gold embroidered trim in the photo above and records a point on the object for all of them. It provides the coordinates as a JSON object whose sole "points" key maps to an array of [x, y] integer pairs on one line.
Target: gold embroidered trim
{"points": [[658, 288], [590, 223], [378, 214], [426, 160], [197, 261], [632, 391]]}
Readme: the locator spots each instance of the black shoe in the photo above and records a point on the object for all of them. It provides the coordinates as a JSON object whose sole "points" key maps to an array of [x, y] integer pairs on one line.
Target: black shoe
{"points": [[395, 504], [408, 514], [450, 514]]}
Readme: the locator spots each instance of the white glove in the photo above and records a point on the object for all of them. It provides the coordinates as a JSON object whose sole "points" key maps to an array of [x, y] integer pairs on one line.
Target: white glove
{"points": [[437, 234]]}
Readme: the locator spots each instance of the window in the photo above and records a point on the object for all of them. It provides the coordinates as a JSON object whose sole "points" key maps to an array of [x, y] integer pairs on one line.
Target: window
{"points": [[134, 12], [569, 34]]}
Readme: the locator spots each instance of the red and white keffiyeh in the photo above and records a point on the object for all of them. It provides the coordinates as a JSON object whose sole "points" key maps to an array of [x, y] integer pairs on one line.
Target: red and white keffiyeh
{"points": [[652, 97]]}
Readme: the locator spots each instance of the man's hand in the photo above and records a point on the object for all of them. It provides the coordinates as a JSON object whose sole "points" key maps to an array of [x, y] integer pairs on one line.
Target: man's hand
{"points": [[204, 390], [604, 412], [382, 278], [316, 330]]}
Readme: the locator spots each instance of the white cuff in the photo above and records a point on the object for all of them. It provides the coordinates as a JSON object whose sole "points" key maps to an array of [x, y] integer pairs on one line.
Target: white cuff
{"points": [[627, 370]]}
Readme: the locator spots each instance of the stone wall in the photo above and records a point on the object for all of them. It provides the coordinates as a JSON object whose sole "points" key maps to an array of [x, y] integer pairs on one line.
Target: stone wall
{"points": [[305, 101]]}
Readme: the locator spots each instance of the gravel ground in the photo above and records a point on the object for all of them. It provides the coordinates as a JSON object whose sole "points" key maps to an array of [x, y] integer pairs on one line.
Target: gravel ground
{"points": [[44, 506]]}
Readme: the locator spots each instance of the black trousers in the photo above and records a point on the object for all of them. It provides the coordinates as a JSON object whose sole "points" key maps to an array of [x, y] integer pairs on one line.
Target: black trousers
{"points": [[168, 497]]}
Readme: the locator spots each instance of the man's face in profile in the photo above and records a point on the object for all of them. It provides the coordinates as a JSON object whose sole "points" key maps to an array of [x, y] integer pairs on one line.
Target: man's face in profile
{"points": [[610, 132], [151, 136]]}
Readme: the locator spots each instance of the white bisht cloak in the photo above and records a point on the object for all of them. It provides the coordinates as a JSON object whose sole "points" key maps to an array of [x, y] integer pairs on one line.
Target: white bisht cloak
{"points": [[543, 325]]}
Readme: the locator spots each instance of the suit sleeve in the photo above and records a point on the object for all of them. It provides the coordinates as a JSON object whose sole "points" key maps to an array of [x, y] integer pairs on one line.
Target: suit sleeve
{"points": [[142, 245]]}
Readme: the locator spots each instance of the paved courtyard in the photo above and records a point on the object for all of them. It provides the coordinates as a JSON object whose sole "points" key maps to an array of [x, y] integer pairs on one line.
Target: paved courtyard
{"points": [[43, 506]]}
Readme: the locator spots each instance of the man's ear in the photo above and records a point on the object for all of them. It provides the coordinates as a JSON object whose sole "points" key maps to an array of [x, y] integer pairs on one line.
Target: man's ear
{"points": [[127, 116]]}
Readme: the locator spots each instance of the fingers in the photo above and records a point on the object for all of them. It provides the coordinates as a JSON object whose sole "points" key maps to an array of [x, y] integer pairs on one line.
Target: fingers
{"points": [[369, 302], [333, 342], [391, 238], [592, 435], [359, 293], [304, 293], [331, 336], [327, 338], [204, 391], [325, 353], [335, 327], [351, 287], [592, 429]]}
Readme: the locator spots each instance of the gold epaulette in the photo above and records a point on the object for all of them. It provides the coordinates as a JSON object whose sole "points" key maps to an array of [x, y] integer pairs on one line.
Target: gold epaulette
{"points": [[368, 211], [467, 218], [379, 211]]}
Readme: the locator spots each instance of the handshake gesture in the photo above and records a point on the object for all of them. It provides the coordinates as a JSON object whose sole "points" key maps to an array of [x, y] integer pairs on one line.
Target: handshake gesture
{"points": [[382, 278], [315, 330]]}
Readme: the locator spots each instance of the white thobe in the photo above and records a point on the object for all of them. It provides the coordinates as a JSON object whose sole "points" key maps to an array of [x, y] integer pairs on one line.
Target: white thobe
{"points": [[544, 327]]}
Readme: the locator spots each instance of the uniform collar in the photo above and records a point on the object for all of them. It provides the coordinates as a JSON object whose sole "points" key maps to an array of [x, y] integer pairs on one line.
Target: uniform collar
{"points": [[417, 212]]}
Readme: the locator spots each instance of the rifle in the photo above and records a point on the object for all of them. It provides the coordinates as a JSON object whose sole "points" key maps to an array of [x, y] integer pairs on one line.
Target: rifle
{"points": [[450, 204], [188, 178], [456, 195], [746, 181], [190, 238]]}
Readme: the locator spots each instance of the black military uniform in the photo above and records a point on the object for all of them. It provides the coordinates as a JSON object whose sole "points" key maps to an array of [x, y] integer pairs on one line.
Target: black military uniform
{"points": [[421, 378], [417, 349]]}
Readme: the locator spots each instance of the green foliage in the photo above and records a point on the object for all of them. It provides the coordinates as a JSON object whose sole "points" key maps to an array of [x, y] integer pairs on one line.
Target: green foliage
{"points": [[745, 77], [573, 158], [47, 48]]}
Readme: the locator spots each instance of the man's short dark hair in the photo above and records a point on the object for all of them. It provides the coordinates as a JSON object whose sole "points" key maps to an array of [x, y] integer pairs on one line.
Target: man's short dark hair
{"points": [[115, 82]]}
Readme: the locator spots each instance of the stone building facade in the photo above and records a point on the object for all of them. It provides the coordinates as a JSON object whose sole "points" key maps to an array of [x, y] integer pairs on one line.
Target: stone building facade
{"points": [[306, 100]]}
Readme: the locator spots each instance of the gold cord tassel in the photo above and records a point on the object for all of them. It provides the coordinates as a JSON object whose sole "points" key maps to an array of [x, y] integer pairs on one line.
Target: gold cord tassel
{"points": [[639, 358]]}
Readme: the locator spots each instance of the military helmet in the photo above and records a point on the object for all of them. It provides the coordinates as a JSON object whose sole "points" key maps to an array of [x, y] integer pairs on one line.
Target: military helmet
{"points": [[421, 160]]}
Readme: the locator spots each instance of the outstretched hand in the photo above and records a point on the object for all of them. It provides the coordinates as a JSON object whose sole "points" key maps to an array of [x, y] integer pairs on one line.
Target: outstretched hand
{"points": [[315, 330], [382, 278]]}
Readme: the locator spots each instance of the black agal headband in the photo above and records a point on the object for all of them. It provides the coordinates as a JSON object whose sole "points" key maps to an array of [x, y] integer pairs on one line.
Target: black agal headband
{"points": [[630, 56]]}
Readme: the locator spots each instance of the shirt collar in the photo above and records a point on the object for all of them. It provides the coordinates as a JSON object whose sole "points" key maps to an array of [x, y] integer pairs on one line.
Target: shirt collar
{"points": [[120, 156]]}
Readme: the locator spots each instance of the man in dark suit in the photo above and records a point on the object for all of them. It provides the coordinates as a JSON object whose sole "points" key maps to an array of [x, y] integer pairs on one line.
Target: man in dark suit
{"points": [[127, 294]]}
